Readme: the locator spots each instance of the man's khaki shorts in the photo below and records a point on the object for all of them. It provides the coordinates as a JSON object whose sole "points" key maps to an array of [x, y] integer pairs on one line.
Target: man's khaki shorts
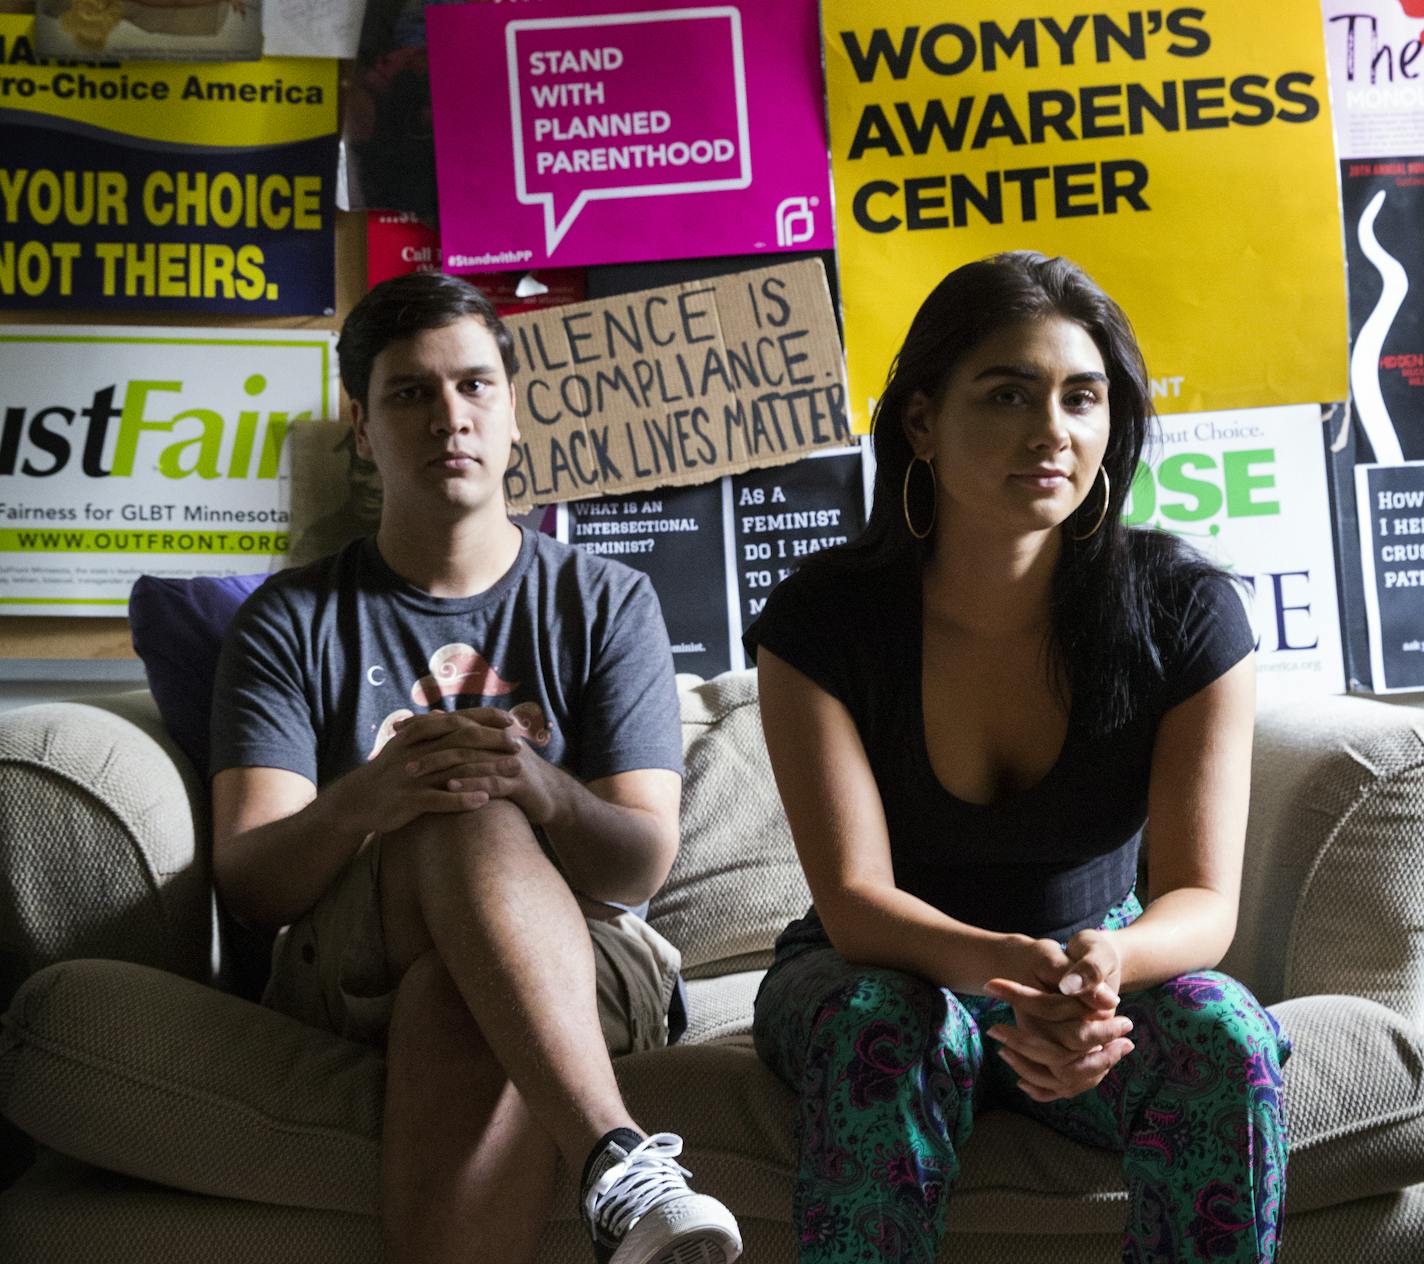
{"points": [[329, 968]]}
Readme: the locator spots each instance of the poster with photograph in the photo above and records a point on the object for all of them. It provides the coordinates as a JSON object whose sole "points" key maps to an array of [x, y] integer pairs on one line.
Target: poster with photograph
{"points": [[164, 30], [1248, 488], [166, 186], [613, 131], [335, 491], [1391, 505], [128, 451], [1154, 147]]}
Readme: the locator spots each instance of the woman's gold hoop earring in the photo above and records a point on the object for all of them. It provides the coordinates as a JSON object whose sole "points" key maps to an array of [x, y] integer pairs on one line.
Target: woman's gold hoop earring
{"points": [[1102, 517], [905, 498]]}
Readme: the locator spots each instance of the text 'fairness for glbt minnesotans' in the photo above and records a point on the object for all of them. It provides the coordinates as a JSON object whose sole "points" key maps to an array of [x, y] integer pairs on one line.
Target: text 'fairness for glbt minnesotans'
{"points": [[146, 450], [165, 185]]}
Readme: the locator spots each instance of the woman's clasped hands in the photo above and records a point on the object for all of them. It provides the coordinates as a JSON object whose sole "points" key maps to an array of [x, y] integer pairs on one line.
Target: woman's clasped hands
{"points": [[1067, 1034]]}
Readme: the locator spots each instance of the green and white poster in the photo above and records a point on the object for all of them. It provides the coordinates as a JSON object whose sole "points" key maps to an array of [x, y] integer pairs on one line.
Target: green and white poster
{"points": [[132, 451], [1247, 487]]}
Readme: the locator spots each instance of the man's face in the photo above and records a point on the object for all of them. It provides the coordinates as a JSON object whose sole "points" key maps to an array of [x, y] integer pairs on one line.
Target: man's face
{"points": [[439, 419]]}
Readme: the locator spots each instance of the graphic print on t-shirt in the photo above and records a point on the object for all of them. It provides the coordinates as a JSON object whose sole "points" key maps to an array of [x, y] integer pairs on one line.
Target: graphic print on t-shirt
{"points": [[460, 671]]}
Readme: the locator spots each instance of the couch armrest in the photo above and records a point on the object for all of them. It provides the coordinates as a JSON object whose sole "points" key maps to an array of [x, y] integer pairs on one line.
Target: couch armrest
{"points": [[103, 835], [1333, 885]]}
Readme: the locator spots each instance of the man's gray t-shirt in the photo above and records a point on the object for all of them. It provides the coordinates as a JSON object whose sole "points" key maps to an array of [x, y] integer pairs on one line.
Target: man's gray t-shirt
{"points": [[321, 661]]}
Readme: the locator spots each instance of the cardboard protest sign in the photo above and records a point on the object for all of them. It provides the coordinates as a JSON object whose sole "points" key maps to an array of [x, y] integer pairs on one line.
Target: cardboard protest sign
{"points": [[165, 185], [1248, 488], [1391, 505], [625, 130], [1158, 148], [675, 385], [131, 451]]}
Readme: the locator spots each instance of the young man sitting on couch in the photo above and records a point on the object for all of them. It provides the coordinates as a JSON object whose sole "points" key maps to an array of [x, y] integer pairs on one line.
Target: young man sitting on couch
{"points": [[442, 756]]}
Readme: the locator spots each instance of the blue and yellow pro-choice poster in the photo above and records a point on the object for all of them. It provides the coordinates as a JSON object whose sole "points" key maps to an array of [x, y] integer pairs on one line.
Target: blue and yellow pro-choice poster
{"points": [[166, 186], [1181, 153]]}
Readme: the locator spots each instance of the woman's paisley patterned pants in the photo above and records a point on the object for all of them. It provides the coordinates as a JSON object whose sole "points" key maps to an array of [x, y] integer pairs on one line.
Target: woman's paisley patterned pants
{"points": [[891, 1069]]}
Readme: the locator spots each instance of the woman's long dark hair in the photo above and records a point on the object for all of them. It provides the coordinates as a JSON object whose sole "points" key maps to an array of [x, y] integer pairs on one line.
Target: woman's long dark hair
{"points": [[1106, 587]]}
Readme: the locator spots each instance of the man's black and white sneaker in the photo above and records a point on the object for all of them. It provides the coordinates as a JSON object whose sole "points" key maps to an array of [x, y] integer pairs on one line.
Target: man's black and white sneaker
{"points": [[640, 1210]]}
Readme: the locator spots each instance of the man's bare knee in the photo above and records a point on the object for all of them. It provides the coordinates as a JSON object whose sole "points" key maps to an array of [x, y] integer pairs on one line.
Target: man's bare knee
{"points": [[432, 839], [430, 856], [431, 1021], [499, 823]]}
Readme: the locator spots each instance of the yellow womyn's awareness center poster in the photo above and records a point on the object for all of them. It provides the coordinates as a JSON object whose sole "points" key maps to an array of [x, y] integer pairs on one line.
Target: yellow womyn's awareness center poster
{"points": [[1182, 155]]}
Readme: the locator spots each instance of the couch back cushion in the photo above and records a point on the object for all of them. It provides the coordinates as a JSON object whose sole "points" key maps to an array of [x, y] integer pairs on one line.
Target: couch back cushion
{"points": [[736, 881]]}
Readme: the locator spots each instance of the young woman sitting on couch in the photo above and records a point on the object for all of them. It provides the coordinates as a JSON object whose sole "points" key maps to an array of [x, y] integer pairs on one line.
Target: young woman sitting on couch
{"points": [[971, 711]]}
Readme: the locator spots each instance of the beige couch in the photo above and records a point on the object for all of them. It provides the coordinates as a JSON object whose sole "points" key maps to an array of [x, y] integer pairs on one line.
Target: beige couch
{"points": [[180, 1123]]}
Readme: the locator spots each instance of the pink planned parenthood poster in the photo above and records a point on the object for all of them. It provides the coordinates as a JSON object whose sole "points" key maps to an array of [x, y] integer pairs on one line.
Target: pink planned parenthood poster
{"points": [[575, 132]]}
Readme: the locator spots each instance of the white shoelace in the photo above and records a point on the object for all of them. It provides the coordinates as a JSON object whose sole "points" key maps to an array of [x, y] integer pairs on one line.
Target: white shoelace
{"points": [[629, 1190]]}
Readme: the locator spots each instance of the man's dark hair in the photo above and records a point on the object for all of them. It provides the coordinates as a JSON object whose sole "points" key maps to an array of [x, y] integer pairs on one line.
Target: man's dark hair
{"points": [[404, 306]]}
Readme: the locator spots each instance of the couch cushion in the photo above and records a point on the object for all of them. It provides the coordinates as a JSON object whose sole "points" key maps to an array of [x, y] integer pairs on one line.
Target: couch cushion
{"points": [[736, 881], [66, 1212], [63, 1212], [100, 852], [160, 1078], [177, 627], [142, 1072], [720, 1008], [1334, 869]]}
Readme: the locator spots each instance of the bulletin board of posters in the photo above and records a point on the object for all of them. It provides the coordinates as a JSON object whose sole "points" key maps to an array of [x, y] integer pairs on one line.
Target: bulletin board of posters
{"points": [[1100, 131]]}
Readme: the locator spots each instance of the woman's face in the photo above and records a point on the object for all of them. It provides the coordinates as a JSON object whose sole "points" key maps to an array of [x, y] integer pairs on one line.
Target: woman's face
{"points": [[1019, 429]]}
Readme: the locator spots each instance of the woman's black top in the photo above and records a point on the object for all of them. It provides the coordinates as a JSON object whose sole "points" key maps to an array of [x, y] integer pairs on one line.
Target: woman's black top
{"points": [[1047, 861]]}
